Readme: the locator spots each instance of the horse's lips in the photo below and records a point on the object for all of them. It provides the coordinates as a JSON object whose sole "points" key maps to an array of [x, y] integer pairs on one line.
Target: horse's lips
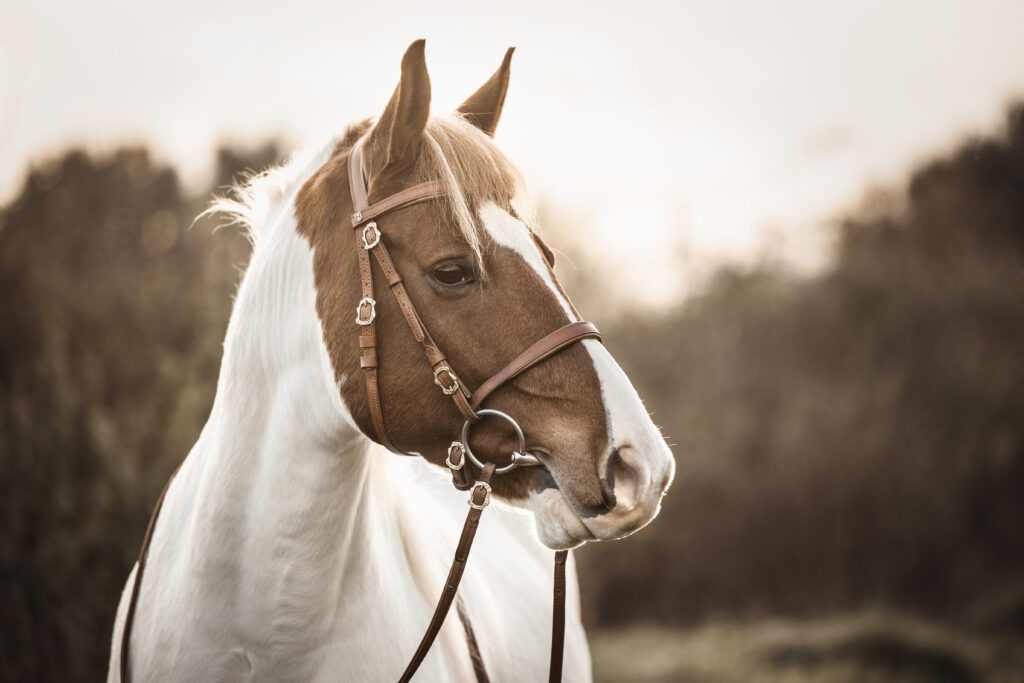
{"points": [[550, 504], [558, 525], [576, 527]]}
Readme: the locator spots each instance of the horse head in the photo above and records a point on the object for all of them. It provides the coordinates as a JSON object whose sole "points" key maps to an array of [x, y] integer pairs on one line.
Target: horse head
{"points": [[482, 282]]}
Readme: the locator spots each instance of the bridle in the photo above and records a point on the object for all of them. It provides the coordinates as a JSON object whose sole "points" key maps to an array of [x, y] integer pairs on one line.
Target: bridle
{"points": [[368, 241]]}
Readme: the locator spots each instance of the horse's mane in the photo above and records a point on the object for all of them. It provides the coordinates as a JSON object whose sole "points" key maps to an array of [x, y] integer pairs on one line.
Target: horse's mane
{"points": [[466, 161], [254, 200]]}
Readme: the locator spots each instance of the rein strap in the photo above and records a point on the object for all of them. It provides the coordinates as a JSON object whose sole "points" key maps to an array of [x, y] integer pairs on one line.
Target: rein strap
{"points": [[477, 502]]}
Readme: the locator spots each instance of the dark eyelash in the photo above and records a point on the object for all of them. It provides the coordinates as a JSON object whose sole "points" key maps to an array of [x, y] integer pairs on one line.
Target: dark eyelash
{"points": [[463, 275]]}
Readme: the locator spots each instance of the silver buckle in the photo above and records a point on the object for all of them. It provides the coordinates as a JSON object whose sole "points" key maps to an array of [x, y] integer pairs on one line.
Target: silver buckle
{"points": [[456, 447], [366, 301], [449, 390], [487, 495], [368, 242]]}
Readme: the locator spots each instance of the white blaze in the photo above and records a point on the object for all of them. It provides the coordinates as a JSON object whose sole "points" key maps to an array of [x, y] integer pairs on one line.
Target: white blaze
{"points": [[509, 231], [629, 426]]}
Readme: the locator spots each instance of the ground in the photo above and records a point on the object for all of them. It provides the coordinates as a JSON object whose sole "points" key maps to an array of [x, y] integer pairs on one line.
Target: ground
{"points": [[870, 647]]}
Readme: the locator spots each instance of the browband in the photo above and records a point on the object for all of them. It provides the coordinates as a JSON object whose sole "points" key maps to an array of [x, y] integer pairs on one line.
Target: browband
{"points": [[365, 211]]}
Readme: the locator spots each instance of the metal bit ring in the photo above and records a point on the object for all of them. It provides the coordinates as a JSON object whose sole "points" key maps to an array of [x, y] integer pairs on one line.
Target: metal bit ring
{"points": [[520, 458]]}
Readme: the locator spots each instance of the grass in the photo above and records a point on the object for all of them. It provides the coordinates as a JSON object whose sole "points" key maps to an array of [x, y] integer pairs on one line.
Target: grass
{"points": [[869, 647]]}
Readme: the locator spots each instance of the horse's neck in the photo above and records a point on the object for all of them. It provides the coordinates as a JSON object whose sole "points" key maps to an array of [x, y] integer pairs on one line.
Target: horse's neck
{"points": [[281, 464], [279, 490]]}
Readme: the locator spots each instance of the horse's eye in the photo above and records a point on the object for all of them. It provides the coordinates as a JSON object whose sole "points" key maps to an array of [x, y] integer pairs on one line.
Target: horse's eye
{"points": [[451, 274]]}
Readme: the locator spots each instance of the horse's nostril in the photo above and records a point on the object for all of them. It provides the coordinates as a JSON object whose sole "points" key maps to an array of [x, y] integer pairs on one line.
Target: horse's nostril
{"points": [[619, 482]]}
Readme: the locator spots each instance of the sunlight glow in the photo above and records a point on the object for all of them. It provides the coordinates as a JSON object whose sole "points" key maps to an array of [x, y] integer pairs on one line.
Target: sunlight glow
{"points": [[712, 129]]}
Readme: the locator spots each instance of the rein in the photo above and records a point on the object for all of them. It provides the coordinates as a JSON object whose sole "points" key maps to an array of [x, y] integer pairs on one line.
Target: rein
{"points": [[368, 240]]}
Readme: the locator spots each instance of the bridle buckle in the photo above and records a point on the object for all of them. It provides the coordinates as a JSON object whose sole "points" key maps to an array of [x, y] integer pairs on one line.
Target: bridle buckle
{"points": [[453, 381], [487, 495], [366, 301], [371, 235], [456, 448]]}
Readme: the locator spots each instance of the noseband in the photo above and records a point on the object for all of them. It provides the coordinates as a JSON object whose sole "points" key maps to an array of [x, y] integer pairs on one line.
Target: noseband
{"points": [[368, 241]]}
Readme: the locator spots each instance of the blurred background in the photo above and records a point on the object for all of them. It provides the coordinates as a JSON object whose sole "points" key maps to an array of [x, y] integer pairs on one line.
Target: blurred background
{"points": [[830, 253]]}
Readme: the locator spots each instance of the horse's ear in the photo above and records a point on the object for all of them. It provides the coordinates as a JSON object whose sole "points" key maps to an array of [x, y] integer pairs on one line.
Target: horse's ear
{"points": [[483, 108], [398, 130]]}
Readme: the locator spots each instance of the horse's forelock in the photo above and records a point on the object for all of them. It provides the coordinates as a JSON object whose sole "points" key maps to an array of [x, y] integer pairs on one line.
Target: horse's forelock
{"points": [[473, 170]]}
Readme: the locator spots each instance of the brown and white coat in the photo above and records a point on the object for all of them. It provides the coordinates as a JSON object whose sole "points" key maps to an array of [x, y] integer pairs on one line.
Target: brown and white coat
{"points": [[290, 546]]}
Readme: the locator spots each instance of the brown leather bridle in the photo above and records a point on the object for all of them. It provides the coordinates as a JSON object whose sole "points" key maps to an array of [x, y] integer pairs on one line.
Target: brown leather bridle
{"points": [[368, 240]]}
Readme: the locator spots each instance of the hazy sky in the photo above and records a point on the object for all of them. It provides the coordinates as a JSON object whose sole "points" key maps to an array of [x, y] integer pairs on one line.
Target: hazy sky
{"points": [[721, 124]]}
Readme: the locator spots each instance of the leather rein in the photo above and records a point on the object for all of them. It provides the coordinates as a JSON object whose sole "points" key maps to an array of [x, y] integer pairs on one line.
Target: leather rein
{"points": [[368, 241]]}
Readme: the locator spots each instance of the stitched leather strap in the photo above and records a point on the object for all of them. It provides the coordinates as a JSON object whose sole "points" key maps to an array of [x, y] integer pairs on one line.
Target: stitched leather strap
{"points": [[558, 618], [368, 360], [412, 195], [539, 351], [364, 212], [451, 585], [435, 357], [479, 670]]}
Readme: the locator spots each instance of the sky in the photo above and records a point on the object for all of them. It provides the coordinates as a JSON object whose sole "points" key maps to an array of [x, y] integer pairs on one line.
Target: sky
{"points": [[676, 134]]}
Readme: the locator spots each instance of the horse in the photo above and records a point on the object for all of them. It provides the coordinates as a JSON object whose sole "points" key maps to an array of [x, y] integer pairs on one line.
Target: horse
{"points": [[292, 545]]}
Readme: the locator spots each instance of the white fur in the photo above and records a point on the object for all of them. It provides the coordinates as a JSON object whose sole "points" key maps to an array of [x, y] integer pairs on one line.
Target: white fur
{"points": [[640, 445], [290, 549]]}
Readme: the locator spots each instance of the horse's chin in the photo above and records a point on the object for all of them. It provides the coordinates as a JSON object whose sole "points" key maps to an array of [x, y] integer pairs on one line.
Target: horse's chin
{"points": [[558, 525]]}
